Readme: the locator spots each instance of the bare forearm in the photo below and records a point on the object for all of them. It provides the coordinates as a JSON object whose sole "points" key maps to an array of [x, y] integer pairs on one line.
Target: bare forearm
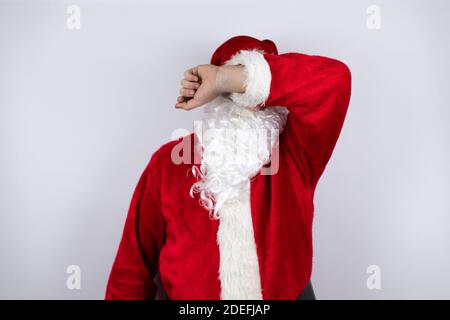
{"points": [[231, 79], [203, 83]]}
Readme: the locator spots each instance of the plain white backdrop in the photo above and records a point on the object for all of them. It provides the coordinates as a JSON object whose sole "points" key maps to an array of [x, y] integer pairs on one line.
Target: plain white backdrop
{"points": [[81, 112]]}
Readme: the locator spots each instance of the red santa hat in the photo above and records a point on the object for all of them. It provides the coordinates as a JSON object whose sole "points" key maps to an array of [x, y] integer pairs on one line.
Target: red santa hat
{"points": [[233, 45], [248, 51]]}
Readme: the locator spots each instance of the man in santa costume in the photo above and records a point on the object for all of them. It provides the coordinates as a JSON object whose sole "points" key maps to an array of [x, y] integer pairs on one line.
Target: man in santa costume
{"points": [[236, 223]]}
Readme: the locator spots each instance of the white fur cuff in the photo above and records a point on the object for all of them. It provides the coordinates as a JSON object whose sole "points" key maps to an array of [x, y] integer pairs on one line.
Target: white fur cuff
{"points": [[258, 79]]}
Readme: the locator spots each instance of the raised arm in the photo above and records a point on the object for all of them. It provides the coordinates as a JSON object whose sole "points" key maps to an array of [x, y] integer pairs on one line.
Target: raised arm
{"points": [[315, 89]]}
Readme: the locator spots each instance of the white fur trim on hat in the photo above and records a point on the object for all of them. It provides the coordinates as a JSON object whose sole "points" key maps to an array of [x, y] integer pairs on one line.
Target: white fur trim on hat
{"points": [[258, 79]]}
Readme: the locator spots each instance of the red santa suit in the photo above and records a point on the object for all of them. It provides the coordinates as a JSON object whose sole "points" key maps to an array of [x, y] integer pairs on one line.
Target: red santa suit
{"points": [[261, 248]]}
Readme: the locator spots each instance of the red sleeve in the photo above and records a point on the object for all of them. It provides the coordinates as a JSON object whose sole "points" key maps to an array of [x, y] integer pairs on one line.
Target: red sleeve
{"points": [[136, 262], [315, 89]]}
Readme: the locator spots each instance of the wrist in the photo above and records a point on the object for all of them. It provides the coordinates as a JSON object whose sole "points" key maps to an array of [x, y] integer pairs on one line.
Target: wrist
{"points": [[231, 79]]}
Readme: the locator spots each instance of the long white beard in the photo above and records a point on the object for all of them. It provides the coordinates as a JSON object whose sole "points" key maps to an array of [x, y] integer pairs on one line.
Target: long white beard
{"points": [[235, 144]]}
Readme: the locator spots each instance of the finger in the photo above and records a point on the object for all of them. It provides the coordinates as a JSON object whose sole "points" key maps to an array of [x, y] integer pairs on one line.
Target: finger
{"points": [[189, 84], [181, 104], [191, 74], [192, 104], [189, 104], [187, 92]]}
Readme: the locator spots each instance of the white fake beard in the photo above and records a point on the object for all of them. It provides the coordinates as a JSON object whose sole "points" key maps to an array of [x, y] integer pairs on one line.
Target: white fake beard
{"points": [[235, 143]]}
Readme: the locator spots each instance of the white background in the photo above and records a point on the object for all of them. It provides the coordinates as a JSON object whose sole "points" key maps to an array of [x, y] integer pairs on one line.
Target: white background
{"points": [[82, 111]]}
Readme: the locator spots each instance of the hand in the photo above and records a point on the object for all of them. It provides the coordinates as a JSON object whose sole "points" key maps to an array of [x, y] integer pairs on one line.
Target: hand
{"points": [[199, 86], [204, 83]]}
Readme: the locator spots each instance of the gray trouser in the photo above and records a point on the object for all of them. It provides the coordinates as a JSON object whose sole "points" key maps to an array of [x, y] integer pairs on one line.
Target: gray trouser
{"points": [[308, 293]]}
